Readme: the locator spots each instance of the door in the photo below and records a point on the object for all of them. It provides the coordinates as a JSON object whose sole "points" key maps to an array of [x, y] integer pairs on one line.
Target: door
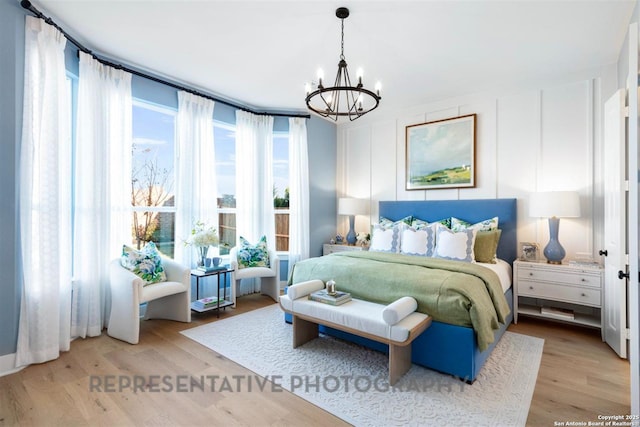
{"points": [[634, 297], [615, 218]]}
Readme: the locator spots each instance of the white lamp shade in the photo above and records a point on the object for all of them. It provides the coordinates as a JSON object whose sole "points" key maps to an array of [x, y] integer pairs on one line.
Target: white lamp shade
{"points": [[349, 206], [561, 204]]}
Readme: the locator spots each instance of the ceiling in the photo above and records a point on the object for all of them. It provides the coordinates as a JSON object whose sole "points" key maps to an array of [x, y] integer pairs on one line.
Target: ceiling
{"points": [[261, 53]]}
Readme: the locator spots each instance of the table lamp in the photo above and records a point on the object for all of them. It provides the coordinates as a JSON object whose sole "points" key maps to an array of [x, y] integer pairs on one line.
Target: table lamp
{"points": [[352, 207], [554, 205]]}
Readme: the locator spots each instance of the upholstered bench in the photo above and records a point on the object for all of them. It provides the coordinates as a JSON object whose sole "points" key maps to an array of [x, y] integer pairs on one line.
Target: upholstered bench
{"points": [[396, 324]]}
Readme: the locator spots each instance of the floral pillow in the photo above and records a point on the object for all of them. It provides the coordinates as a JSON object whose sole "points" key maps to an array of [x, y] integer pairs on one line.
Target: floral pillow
{"points": [[419, 224], [484, 225], [253, 255], [387, 223], [145, 263]]}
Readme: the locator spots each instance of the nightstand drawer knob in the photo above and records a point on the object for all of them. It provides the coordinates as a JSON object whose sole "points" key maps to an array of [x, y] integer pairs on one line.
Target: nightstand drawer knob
{"points": [[583, 294], [531, 287], [530, 274]]}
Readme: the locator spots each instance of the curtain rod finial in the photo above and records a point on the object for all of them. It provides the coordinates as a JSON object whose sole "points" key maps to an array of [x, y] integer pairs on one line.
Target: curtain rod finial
{"points": [[25, 4]]}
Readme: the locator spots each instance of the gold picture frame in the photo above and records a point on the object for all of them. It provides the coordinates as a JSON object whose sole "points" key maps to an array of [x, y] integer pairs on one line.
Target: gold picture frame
{"points": [[441, 154]]}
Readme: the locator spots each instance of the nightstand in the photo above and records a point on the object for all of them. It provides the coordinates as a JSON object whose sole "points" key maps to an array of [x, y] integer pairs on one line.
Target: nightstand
{"points": [[566, 292], [328, 248]]}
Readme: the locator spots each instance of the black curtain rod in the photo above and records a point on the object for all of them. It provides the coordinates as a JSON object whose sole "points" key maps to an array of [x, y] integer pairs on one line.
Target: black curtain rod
{"points": [[26, 4]]}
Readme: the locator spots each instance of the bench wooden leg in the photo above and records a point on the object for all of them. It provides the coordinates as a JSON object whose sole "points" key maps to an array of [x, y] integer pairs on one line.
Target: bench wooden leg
{"points": [[399, 361], [303, 331]]}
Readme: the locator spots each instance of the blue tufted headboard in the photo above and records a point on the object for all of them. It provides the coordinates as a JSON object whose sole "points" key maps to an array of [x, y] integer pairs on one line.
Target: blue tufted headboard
{"points": [[469, 210]]}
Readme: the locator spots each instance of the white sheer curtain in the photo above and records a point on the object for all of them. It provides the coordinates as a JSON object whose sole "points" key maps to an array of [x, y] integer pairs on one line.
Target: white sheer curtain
{"points": [[45, 198], [298, 192], [102, 216], [196, 189], [254, 182]]}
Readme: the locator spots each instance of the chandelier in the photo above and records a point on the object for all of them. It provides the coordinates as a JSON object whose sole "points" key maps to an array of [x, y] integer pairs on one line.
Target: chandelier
{"points": [[342, 99]]}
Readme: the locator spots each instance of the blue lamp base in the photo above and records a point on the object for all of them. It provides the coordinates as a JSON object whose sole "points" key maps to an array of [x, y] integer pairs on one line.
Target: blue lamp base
{"points": [[554, 252], [351, 235]]}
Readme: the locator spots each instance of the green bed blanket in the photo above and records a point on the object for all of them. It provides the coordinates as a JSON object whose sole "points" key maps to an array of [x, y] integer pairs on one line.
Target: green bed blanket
{"points": [[458, 293]]}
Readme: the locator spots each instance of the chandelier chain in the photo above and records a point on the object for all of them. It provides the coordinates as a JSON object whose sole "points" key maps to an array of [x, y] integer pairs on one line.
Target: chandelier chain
{"points": [[342, 40]]}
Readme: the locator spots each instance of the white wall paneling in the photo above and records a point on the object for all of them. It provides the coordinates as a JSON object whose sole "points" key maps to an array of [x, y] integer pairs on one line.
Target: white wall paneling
{"points": [[526, 141], [401, 150], [356, 166], [518, 139], [383, 164]]}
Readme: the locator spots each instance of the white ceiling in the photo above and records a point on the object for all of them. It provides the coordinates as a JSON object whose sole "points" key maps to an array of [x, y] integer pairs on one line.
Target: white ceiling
{"points": [[260, 53]]}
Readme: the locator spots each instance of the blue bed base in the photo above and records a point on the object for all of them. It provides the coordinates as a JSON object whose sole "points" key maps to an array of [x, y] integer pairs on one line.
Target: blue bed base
{"points": [[443, 347]]}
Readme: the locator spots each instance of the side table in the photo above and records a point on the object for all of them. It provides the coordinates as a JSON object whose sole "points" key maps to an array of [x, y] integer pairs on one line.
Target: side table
{"points": [[220, 273]]}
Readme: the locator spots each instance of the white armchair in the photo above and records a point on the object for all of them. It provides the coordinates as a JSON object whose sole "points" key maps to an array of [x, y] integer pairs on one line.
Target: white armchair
{"points": [[165, 300], [269, 277]]}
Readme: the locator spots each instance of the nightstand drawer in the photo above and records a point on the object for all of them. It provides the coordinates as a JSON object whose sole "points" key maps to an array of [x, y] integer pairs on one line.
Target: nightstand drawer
{"points": [[330, 249], [572, 294], [582, 279]]}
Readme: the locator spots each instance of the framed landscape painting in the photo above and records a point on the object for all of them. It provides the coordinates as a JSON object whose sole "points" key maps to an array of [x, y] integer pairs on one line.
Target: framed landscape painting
{"points": [[441, 154]]}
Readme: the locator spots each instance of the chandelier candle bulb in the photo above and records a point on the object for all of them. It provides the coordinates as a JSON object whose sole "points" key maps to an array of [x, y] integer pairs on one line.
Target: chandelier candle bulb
{"points": [[378, 88], [359, 74], [320, 77]]}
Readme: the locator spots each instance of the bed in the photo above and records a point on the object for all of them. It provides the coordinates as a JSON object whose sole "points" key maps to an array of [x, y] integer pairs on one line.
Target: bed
{"points": [[445, 347]]}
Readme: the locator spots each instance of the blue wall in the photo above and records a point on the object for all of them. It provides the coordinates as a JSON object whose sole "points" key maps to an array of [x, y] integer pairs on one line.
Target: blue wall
{"points": [[11, 88], [322, 142]]}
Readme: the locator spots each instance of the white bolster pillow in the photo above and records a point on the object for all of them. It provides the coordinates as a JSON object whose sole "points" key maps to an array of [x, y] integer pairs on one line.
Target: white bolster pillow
{"points": [[304, 288], [398, 310]]}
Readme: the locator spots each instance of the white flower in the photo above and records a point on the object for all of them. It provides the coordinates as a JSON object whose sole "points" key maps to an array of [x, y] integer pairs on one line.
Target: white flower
{"points": [[203, 236], [362, 238]]}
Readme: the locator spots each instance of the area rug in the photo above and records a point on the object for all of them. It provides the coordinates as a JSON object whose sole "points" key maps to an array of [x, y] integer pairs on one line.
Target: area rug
{"points": [[350, 381]]}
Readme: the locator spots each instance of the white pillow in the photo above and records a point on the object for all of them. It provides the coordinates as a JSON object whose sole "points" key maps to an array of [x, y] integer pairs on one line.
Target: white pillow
{"points": [[418, 242], [385, 239], [456, 246], [398, 310]]}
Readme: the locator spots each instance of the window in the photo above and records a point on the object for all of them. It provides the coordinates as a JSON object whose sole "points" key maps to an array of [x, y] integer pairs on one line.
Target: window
{"points": [[281, 189], [153, 176], [225, 147], [224, 137]]}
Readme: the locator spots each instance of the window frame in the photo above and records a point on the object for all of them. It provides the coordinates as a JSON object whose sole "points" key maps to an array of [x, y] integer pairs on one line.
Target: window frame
{"points": [[163, 109]]}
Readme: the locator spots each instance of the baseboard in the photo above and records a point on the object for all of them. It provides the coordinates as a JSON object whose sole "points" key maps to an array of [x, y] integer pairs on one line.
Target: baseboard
{"points": [[8, 365]]}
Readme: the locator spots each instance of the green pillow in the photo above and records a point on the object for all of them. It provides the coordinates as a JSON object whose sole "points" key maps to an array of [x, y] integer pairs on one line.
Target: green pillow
{"points": [[486, 245], [253, 255], [145, 263]]}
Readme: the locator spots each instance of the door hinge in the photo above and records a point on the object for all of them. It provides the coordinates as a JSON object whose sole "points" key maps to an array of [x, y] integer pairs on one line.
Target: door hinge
{"points": [[627, 334], [626, 111], [626, 185]]}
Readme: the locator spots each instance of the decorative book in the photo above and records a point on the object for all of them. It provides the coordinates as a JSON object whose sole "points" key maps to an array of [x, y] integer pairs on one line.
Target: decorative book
{"points": [[207, 302], [338, 298], [558, 313], [210, 269]]}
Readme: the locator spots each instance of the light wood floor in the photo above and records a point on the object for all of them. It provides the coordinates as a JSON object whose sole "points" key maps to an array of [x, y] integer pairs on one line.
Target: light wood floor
{"points": [[579, 378]]}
